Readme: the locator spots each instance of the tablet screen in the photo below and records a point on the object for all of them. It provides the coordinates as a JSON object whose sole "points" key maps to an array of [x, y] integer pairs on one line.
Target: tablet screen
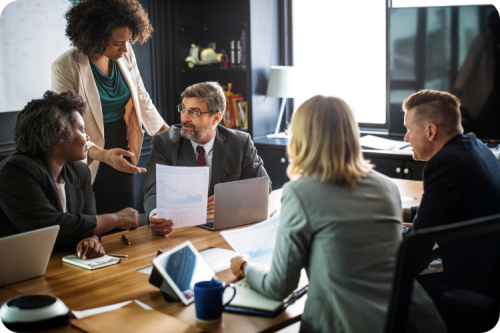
{"points": [[185, 267]]}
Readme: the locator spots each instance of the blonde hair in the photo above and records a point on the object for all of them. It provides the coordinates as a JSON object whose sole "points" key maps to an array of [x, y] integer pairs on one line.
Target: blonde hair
{"points": [[325, 142]]}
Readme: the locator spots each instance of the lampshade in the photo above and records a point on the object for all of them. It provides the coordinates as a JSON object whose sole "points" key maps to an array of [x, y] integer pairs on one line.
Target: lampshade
{"points": [[281, 82]]}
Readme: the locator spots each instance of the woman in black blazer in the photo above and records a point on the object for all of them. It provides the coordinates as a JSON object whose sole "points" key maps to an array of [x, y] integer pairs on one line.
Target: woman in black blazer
{"points": [[44, 183]]}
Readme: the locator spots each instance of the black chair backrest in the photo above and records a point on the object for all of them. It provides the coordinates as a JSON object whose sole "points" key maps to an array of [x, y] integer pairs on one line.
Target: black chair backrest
{"points": [[417, 244]]}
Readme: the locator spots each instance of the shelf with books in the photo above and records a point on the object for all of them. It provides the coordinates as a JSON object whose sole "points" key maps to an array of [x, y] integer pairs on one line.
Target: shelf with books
{"points": [[214, 67], [245, 26]]}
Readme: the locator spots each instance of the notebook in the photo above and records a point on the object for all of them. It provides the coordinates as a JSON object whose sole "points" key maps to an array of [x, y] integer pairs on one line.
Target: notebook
{"points": [[249, 301], [94, 263]]}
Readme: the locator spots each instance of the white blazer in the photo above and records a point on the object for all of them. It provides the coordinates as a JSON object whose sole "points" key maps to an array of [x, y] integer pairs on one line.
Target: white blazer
{"points": [[72, 71]]}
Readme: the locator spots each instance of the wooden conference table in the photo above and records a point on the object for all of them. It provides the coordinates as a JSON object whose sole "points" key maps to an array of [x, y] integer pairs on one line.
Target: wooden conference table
{"points": [[82, 289]]}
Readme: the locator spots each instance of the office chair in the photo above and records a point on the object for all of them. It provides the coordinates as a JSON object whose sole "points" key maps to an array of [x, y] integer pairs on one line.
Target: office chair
{"points": [[480, 313]]}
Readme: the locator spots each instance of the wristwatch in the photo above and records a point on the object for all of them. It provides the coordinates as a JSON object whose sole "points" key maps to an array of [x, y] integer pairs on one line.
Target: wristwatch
{"points": [[242, 271]]}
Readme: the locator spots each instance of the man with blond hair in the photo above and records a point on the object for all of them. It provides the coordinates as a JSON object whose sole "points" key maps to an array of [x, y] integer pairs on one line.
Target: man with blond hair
{"points": [[461, 182]]}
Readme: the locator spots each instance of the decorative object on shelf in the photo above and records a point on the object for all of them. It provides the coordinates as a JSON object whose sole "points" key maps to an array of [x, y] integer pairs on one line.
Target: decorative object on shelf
{"points": [[208, 55], [243, 108], [281, 84], [235, 116], [232, 54], [223, 60]]}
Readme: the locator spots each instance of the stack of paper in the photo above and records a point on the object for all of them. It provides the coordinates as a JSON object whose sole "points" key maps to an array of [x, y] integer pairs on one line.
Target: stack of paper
{"points": [[375, 142]]}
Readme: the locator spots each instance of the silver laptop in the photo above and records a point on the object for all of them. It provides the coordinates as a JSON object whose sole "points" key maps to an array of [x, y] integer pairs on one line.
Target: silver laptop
{"points": [[26, 256], [239, 202]]}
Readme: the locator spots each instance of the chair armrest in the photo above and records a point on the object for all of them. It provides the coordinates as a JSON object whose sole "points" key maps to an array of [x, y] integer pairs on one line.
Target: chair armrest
{"points": [[469, 299]]}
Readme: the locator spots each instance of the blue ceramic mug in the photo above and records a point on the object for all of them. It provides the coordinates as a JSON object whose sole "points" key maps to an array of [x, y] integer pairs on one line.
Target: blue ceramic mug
{"points": [[208, 300]]}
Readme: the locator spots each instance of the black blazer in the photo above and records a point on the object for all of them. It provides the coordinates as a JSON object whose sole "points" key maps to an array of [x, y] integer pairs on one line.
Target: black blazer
{"points": [[462, 182], [234, 158], [29, 199]]}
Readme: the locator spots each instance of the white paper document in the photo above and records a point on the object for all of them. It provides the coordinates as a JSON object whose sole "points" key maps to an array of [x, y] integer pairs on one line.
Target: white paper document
{"points": [[406, 199], [257, 241], [217, 259], [102, 309], [182, 194], [376, 142]]}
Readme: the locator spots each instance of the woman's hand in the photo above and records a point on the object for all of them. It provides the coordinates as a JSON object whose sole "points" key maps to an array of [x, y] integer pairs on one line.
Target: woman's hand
{"points": [[238, 264], [114, 158], [128, 218], [90, 248]]}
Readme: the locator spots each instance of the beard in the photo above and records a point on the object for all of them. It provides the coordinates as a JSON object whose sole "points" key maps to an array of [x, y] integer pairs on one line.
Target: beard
{"points": [[196, 134]]}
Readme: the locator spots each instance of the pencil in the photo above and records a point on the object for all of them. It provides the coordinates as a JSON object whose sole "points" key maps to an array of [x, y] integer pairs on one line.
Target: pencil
{"points": [[118, 255]]}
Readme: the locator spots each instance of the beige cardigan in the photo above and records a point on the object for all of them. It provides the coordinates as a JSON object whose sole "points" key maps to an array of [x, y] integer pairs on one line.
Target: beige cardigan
{"points": [[72, 71]]}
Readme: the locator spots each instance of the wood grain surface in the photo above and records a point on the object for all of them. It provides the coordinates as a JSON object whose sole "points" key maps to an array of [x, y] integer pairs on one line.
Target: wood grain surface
{"points": [[82, 289]]}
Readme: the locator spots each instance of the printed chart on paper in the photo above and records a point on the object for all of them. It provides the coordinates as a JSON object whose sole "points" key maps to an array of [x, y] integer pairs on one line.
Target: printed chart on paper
{"points": [[182, 194], [257, 241]]}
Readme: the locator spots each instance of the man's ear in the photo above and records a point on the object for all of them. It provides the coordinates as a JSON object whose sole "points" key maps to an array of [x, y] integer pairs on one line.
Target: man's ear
{"points": [[216, 118], [431, 132]]}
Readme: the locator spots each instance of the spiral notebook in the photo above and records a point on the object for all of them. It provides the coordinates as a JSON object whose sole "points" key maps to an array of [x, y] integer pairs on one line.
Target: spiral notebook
{"points": [[91, 263]]}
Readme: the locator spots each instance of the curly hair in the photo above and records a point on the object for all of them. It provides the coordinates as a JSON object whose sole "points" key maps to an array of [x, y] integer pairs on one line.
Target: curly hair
{"points": [[91, 23], [45, 121]]}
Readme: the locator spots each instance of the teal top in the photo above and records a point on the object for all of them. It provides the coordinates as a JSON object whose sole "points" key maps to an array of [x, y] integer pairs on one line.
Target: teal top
{"points": [[113, 91]]}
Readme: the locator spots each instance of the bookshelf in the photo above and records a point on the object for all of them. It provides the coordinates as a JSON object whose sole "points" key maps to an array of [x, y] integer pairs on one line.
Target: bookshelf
{"points": [[202, 22]]}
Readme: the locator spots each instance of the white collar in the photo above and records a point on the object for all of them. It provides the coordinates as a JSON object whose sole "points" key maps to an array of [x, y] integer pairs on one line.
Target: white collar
{"points": [[207, 146]]}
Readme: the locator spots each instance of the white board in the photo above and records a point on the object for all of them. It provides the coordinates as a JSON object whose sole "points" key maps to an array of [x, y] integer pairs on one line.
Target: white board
{"points": [[32, 36]]}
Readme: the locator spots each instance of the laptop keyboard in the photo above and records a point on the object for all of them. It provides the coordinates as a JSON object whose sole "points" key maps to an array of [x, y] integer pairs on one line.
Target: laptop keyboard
{"points": [[210, 225]]}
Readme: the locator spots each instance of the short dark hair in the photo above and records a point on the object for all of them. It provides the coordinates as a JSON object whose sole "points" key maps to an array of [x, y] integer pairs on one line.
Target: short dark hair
{"points": [[438, 107], [211, 92], [45, 121], [91, 23]]}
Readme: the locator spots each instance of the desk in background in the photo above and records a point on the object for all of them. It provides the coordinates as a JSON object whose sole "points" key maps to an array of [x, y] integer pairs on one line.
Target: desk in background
{"points": [[393, 164], [82, 289]]}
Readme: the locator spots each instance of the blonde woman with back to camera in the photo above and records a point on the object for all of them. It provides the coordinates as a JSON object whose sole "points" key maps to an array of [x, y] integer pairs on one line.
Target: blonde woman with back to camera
{"points": [[341, 221]]}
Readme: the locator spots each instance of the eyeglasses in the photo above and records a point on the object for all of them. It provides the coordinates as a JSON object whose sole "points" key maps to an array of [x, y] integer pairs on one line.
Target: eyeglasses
{"points": [[192, 113]]}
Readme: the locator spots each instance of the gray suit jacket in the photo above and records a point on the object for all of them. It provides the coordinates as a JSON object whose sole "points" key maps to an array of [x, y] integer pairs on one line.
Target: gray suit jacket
{"points": [[234, 158], [347, 240]]}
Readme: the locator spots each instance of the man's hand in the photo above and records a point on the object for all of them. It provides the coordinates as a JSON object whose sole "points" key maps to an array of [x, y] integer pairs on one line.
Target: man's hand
{"points": [[210, 204], [236, 265], [128, 218], [114, 157], [161, 226], [89, 248]]}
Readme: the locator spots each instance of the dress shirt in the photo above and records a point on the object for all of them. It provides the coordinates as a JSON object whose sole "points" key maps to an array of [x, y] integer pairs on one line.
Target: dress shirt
{"points": [[62, 194]]}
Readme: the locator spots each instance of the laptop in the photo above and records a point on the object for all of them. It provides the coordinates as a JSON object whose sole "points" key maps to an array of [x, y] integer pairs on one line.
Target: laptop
{"points": [[240, 202], [26, 256]]}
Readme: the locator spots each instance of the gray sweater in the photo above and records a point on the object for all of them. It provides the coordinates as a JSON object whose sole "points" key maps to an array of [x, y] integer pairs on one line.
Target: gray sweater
{"points": [[347, 240]]}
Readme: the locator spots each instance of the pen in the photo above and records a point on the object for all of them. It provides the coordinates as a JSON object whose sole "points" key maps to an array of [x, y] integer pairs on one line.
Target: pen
{"points": [[118, 255], [125, 240], [273, 212]]}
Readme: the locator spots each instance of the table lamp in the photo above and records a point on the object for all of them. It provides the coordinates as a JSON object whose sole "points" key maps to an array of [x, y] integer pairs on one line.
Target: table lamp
{"points": [[281, 84]]}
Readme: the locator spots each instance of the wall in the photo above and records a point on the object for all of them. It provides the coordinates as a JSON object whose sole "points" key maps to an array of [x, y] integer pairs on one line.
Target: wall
{"points": [[143, 54]]}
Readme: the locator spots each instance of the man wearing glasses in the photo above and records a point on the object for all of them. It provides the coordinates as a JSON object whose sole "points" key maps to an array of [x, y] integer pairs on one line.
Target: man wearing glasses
{"points": [[199, 141]]}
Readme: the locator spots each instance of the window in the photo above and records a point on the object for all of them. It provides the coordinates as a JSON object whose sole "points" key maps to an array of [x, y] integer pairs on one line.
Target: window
{"points": [[339, 49], [428, 3]]}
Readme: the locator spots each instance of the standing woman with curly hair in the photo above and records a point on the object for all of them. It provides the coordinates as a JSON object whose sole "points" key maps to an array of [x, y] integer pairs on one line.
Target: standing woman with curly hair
{"points": [[44, 183], [102, 69]]}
